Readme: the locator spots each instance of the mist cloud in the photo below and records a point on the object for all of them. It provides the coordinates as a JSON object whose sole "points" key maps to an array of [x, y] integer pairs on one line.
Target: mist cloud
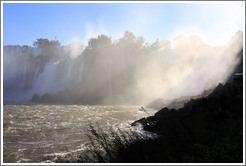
{"points": [[123, 71]]}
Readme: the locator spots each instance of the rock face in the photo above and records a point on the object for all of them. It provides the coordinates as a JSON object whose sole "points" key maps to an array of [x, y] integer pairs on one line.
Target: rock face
{"points": [[205, 130]]}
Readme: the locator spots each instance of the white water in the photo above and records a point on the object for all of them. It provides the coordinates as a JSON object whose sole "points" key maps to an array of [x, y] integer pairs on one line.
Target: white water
{"points": [[126, 72], [33, 132]]}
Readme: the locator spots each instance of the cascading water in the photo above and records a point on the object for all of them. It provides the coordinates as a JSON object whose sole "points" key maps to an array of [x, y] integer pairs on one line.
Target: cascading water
{"points": [[120, 73], [25, 74], [123, 72]]}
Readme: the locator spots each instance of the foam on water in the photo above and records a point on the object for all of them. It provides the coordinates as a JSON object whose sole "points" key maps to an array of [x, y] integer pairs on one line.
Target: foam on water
{"points": [[32, 132]]}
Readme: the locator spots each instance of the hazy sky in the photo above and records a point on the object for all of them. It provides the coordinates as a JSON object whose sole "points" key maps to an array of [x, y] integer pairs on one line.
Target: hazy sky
{"points": [[23, 23]]}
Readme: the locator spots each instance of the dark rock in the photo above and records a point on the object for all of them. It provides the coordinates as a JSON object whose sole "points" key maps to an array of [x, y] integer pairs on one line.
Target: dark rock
{"points": [[162, 112], [142, 121], [205, 130]]}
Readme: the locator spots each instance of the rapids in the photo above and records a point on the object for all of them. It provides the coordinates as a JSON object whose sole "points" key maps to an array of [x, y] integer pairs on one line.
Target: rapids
{"points": [[33, 132]]}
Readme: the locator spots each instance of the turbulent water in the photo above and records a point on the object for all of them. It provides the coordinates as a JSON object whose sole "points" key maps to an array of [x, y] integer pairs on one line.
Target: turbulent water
{"points": [[33, 132], [126, 72]]}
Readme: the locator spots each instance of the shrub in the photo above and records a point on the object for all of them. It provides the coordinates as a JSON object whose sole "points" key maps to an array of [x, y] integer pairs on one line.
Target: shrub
{"points": [[104, 146]]}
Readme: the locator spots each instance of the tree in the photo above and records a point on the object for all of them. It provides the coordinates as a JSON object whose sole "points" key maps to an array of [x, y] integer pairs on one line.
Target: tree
{"points": [[99, 42], [35, 98], [43, 43], [49, 50], [47, 98]]}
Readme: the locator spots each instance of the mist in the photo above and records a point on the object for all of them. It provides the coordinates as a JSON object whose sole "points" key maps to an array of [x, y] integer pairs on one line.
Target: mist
{"points": [[123, 71]]}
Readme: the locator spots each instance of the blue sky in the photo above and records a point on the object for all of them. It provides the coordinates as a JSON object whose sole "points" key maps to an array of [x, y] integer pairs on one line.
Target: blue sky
{"points": [[215, 23]]}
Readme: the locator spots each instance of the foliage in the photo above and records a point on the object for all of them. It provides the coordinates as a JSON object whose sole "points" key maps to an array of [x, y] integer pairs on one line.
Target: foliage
{"points": [[35, 98], [103, 147], [99, 42], [205, 130], [44, 43]]}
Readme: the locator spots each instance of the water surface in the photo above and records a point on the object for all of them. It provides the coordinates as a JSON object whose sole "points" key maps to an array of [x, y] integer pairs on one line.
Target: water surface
{"points": [[33, 132]]}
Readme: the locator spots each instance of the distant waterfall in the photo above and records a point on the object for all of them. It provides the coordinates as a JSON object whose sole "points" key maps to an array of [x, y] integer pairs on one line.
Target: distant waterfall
{"points": [[26, 74], [123, 72]]}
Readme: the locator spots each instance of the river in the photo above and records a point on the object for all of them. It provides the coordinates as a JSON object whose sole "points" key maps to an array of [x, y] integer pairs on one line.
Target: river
{"points": [[33, 132]]}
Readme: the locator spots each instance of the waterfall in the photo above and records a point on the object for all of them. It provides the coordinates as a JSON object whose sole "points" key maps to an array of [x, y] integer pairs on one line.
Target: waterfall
{"points": [[25, 73], [46, 81], [123, 72]]}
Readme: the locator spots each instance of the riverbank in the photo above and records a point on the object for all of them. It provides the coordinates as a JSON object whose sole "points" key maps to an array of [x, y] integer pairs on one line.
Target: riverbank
{"points": [[205, 130]]}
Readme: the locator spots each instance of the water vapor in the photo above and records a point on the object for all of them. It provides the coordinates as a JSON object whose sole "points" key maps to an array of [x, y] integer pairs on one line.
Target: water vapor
{"points": [[123, 71]]}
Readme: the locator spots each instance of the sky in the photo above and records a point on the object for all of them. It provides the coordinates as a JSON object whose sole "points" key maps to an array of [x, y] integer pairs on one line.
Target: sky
{"points": [[215, 23]]}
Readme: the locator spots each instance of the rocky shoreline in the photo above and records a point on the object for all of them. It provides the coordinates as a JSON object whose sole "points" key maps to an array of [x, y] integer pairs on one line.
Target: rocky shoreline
{"points": [[208, 130]]}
